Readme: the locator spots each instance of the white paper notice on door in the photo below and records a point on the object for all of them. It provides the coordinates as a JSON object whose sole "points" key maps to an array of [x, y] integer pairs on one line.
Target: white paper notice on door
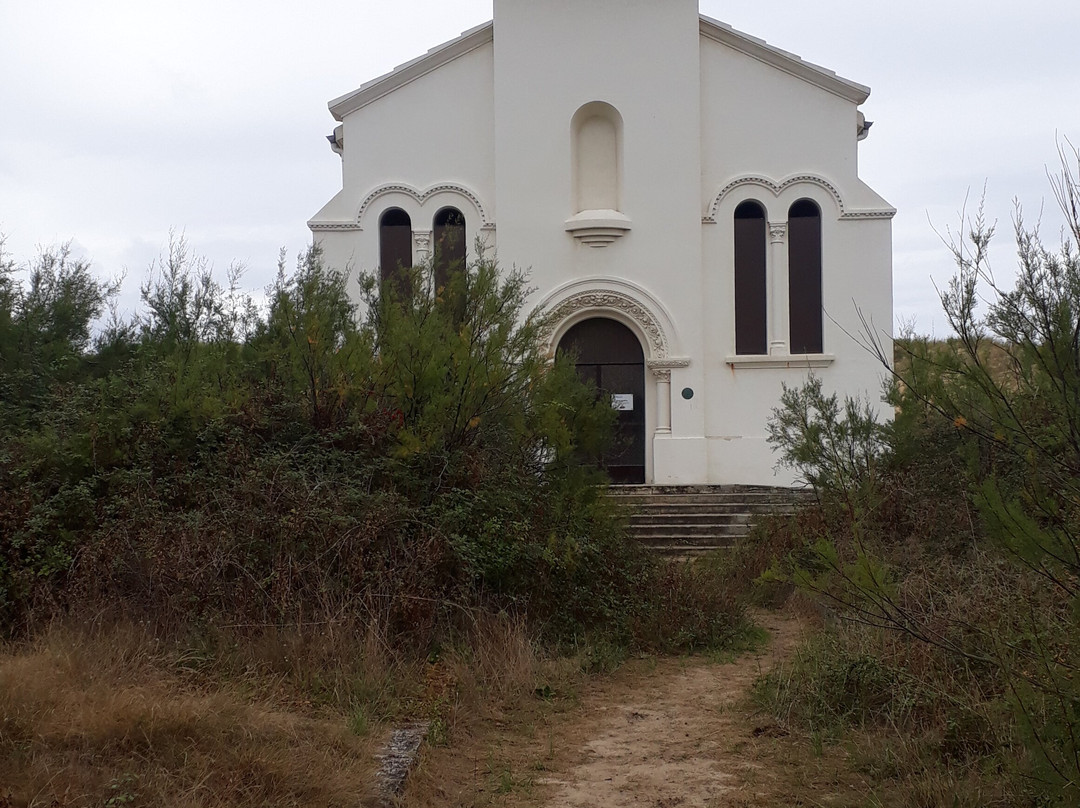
{"points": [[623, 402]]}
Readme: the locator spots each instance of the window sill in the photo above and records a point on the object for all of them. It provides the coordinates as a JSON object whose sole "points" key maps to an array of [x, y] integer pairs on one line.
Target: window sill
{"points": [[797, 361]]}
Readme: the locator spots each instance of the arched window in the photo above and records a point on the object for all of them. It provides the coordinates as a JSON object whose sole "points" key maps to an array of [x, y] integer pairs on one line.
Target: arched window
{"points": [[750, 307], [449, 227], [804, 277], [395, 245]]}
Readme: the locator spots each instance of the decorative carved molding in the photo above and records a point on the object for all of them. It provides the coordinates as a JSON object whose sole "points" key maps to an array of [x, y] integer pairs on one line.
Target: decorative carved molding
{"points": [[669, 362], [612, 301], [776, 188], [422, 242], [777, 232], [662, 374], [313, 225], [423, 196]]}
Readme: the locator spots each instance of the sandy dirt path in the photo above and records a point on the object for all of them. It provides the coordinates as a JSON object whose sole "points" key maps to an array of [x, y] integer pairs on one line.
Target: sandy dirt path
{"points": [[658, 733], [681, 739]]}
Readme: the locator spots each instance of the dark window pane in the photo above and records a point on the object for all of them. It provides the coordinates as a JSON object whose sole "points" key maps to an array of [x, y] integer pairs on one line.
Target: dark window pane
{"points": [[750, 247], [804, 277], [395, 246], [450, 242]]}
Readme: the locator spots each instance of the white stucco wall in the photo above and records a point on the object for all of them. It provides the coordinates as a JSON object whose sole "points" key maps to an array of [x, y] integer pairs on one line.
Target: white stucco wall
{"points": [[703, 126], [435, 131]]}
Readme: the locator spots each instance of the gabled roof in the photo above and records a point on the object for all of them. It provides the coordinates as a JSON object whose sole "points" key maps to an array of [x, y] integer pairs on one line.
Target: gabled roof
{"points": [[783, 60], [710, 29], [410, 71]]}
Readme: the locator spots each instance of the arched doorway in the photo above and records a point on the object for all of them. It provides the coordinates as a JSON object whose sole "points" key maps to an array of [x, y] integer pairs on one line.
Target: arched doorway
{"points": [[609, 355]]}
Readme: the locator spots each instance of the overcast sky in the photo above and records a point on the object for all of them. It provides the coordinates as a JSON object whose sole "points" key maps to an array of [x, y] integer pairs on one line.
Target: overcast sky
{"points": [[122, 120]]}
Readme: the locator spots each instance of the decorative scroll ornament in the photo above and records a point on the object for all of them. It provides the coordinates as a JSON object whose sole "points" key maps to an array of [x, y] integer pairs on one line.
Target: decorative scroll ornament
{"points": [[777, 232], [612, 301]]}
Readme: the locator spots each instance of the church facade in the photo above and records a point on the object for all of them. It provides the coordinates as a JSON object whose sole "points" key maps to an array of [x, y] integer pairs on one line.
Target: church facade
{"points": [[685, 196]]}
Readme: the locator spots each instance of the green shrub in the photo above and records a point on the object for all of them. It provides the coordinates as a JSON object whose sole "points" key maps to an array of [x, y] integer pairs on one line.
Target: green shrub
{"points": [[409, 458], [957, 525]]}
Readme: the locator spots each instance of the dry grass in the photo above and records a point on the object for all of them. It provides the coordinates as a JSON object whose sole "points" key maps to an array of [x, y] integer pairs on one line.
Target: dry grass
{"points": [[108, 714], [111, 717]]}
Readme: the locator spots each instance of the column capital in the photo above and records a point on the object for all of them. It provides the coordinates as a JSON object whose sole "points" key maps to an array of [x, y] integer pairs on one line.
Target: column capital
{"points": [[777, 232], [422, 243]]}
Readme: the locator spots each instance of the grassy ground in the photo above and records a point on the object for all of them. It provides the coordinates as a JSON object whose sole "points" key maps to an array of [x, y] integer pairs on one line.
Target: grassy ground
{"points": [[110, 717], [108, 714]]}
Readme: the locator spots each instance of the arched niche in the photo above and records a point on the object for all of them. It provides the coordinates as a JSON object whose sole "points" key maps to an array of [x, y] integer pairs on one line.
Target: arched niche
{"points": [[596, 175]]}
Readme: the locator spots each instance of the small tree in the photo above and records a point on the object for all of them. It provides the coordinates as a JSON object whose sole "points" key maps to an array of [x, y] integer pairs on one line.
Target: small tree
{"points": [[1008, 389]]}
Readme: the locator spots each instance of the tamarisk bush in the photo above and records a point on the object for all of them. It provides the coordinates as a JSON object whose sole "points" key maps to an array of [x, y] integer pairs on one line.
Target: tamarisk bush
{"points": [[957, 526]]}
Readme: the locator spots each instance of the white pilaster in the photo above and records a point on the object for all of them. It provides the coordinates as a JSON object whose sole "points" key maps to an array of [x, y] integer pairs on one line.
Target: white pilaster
{"points": [[778, 289], [663, 400]]}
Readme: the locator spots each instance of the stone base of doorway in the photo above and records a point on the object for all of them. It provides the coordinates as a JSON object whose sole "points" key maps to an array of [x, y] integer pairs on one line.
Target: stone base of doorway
{"points": [[691, 520]]}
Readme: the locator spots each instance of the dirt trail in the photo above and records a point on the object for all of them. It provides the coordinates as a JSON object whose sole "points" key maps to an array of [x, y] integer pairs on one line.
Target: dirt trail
{"points": [[678, 740], [659, 733]]}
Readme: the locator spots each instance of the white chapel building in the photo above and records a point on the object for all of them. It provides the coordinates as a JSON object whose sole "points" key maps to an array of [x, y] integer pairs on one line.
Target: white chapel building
{"points": [[685, 196]]}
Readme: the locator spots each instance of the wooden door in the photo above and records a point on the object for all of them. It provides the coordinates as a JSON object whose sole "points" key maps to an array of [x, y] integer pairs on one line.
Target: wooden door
{"points": [[609, 355]]}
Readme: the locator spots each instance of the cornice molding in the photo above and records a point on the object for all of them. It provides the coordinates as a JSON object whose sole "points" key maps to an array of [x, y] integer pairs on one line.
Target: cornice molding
{"points": [[709, 28], [411, 71], [342, 226], [782, 60]]}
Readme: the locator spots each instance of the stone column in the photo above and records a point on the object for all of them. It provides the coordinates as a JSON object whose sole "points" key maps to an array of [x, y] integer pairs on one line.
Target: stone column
{"points": [[778, 289], [663, 400]]}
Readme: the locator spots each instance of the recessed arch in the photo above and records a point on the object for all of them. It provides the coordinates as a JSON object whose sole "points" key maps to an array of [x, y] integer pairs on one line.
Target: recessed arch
{"points": [[621, 300], [447, 192], [777, 189], [804, 277], [449, 243], [597, 131], [750, 247], [395, 244]]}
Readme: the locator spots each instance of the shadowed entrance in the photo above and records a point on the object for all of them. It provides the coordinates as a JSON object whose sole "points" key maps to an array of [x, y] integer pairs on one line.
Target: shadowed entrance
{"points": [[609, 355]]}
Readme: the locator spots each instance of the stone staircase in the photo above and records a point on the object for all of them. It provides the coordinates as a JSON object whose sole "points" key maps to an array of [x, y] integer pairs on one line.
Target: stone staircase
{"points": [[691, 520]]}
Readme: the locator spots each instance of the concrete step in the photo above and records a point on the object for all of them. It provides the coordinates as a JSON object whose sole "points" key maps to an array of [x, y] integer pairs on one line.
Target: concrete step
{"points": [[685, 553], [684, 521], [700, 513], [641, 520], [719, 496], [677, 539], [690, 531]]}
